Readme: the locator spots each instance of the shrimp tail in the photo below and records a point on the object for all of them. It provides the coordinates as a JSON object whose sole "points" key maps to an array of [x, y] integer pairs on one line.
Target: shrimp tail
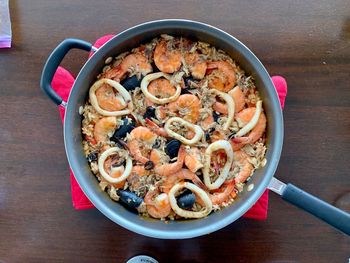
{"points": [[155, 128], [197, 181]]}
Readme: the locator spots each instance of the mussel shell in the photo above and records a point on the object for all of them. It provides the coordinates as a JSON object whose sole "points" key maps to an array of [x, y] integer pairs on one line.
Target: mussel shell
{"points": [[131, 83], [130, 199], [125, 128], [186, 199], [92, 157], [216, 116], [172, 148]]}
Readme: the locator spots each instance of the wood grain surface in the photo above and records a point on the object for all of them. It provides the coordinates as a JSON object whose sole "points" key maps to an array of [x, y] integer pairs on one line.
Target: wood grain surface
{"points": [[307, 42]]}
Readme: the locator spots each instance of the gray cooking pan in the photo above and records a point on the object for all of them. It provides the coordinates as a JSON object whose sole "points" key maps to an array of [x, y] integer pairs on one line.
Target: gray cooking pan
{"points": [[262, 178]]}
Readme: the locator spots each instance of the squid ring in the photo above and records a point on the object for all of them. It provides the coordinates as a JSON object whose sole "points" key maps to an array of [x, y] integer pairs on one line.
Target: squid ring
{"points": [[195, 189], [197, 129], [117, 86], [144, 87], [230, 103], [251, 124], [218, 145], [105, 175]]}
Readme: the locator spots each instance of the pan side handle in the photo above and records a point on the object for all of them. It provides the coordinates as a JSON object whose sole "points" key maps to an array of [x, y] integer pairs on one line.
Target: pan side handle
{"points": [[54, 61]]}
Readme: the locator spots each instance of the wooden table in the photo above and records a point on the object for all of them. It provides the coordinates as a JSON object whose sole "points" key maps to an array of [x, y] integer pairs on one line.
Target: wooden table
{"points": [[307, 42]]}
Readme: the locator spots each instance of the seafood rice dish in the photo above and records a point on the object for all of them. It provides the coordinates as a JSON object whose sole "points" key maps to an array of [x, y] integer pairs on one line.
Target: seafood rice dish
{"points": [[173, 129]]}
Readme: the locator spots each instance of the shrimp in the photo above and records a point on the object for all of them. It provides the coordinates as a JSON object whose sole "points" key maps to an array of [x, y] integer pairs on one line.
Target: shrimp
{"points": [[187, 107], [166, 59], [108, 100], [101, 92], [228, 191], [193, 160], [104, 129], [196, 65], [238, 97], [107, 165], [208, 122], [140, 170], [111, 168], [161, 88], [183, 174], [246, 168], [167, 169], [158, 205], [137, 63], [223, 77], [140, 136], [255, 134], [155, 128]]}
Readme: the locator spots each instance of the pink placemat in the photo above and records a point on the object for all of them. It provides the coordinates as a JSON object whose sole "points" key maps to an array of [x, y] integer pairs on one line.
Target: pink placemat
{"points": [[62, 84]]}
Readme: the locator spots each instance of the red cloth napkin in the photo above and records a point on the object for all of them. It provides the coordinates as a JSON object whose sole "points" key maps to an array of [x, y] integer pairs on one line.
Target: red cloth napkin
{"points": [[62, 84]]}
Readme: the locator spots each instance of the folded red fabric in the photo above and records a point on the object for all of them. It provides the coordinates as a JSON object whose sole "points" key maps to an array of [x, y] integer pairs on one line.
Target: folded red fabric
{"points": [[62, 84]]}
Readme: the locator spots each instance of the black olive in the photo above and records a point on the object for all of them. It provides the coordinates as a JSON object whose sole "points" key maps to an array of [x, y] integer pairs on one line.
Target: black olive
{"points": [[125, 128], [92, 157], [131, 83], [216, 116], [149, 165], [186, 200], [150, 113], [130, 199], [172, 148], [207, 136]]}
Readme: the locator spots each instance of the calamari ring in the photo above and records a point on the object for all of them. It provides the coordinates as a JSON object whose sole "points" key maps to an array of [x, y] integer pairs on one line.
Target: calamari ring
{"points": [[146, 81], [195, 189], [251, 124], [105, 175], [125, 94], [197, 129], [230, 104], [218, 145]]}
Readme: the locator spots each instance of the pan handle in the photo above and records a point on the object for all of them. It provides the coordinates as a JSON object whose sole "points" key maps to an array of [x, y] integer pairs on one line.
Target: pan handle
{"points": [[324, 211], [54, 61]]}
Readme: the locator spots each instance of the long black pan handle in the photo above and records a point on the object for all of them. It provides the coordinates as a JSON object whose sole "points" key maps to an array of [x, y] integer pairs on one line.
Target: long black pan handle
{"points": [[328, 213], [54, 61]]}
